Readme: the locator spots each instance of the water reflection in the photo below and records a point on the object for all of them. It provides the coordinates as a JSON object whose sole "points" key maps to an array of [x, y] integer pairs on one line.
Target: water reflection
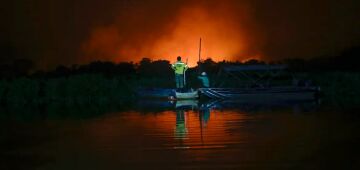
{"points": [[185, 135], [192, 117], [204, 115], [211, 124], [180, 128], [183, 109]]}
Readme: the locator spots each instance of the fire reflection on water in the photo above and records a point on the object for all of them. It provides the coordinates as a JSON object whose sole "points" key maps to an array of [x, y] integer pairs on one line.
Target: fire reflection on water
{"points": [[188, 137]]}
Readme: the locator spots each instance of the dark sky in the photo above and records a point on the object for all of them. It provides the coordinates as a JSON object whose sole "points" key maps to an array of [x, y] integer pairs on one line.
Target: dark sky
{"points": [[53, 32]]}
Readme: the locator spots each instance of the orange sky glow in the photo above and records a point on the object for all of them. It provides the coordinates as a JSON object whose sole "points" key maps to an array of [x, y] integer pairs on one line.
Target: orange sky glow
{"points": [[65, 32], [223, 38]]}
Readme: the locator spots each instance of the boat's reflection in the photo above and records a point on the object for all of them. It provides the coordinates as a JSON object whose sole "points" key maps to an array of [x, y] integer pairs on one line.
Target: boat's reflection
{"points": [[186, 104], [181, 108], [208, 105], [181, 124], [203, 110], [204, 115]]}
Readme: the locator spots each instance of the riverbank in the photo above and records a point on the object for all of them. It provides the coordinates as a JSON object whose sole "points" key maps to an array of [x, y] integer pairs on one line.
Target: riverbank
{"points": [[338, 88], [77, 89]]}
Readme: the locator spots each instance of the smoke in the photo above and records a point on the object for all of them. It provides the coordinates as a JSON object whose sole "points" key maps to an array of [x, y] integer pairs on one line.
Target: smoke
{"points": [[66, 32], [306, 29], [230, 29], [170, 30]]}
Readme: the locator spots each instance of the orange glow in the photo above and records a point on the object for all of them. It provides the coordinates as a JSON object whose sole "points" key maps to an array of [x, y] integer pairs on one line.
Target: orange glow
{"points": [[220, 39], [164, 124], [223, 37]]}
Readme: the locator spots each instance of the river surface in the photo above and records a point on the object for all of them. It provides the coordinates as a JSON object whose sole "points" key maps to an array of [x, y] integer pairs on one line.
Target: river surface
{"points": [[185, 136]]}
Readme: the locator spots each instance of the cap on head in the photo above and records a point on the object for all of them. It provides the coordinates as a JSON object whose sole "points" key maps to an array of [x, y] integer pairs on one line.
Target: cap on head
{"points": [[203, 73], [179, 58]]}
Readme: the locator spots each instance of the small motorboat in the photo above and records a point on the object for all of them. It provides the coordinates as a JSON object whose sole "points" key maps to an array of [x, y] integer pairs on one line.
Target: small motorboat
{"points": [[187, 95]]}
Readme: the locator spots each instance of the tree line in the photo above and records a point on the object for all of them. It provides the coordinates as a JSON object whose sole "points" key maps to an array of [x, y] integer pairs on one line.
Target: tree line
{"points": [[346, 61]]}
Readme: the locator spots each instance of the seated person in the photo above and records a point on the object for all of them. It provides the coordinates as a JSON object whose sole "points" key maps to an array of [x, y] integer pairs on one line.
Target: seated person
{"points": [[204, 80]]}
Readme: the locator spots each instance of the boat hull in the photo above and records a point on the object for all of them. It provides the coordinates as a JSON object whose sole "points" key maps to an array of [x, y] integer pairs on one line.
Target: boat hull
{"points": [[187, 95], [262, 94], [159, 93]]}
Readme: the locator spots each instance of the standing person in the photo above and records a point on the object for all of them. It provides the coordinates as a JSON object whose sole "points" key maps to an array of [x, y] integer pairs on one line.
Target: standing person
{"points": [[179, 67], [204, 80]]}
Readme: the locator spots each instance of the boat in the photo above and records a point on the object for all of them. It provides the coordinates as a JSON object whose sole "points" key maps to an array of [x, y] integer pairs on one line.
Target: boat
{"points": [[156, 93], [163, 93], [187, 95], [262, 94], [258, 83], [251, 83]]}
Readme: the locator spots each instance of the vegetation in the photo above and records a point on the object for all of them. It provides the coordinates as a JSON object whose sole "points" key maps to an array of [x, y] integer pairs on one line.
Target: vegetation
{"points": [[102, 83], [76, 89], [340, 89]]}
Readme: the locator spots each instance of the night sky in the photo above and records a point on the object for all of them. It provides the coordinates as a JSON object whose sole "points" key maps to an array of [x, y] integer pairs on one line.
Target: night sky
{"points": [[53, 32]]}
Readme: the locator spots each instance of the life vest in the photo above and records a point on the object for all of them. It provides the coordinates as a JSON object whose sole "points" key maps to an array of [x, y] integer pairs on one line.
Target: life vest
{"points": [[179, 67]]}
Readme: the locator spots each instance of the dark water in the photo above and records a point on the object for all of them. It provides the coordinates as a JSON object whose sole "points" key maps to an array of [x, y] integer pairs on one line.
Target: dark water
{"points": [[184, 136]]}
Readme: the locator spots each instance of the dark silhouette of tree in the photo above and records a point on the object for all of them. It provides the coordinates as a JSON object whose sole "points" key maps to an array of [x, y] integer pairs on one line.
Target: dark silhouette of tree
{"points": [[61, 71], [254, 62], [208, 66], [350, 59], [295, 64], [125, 68], [346, 61], [13, 66], [105, 67], [12, 63], [144, 66], [161, 68], [22, 67], [158, 68]]}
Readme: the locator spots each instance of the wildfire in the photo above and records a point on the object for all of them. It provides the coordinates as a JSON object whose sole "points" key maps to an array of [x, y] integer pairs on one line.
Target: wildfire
{"points": [[223, 38]]}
